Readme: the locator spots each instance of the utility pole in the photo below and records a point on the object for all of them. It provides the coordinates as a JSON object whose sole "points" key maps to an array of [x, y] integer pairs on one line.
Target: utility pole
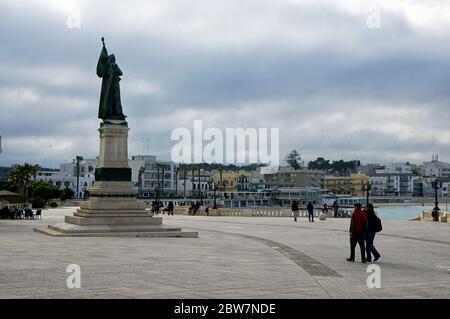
{"points": [[192, 180], [176, 181], [157, 176], [184, 183], [163, 177], [199, 185]]}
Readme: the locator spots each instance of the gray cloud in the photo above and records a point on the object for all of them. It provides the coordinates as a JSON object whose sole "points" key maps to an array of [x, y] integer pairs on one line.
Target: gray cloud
{"points": [[334, 87]]}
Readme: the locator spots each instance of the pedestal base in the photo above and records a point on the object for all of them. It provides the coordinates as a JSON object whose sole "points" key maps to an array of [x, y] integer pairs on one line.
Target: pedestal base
{"points": [[113, 217], [112, 209]]}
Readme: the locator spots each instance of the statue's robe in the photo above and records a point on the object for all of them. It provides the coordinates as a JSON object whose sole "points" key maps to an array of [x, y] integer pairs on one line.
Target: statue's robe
{"points": [[110, 104]]}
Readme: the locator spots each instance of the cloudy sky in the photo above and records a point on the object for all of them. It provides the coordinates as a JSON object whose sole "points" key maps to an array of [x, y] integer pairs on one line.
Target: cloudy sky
{"points": [[349, 79]]}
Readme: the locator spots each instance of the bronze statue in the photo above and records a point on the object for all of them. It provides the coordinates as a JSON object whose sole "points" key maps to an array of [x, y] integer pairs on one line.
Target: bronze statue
{"points": [[110, 105]]}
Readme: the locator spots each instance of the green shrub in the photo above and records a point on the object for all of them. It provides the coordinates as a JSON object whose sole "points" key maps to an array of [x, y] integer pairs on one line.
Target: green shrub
{"points": [[38, 202], [67, 193], [53, 204]]}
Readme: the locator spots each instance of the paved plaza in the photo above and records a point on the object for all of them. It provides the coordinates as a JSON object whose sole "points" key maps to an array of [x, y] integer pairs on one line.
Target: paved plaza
{"points": [[234, 257]]}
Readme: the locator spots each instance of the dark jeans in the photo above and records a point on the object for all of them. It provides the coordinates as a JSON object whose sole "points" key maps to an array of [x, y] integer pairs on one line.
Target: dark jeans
{"points": [[311, 216], [370, 248], [357, 238]]}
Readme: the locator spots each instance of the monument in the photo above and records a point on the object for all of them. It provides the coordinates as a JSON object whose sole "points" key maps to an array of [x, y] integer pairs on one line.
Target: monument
{"points": [[112, 208]]}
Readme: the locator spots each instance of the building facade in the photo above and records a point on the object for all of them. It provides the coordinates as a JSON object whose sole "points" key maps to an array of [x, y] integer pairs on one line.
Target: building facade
{"points": [[287, 177], [68, 176], [436, 168], [346, 185], [396, 179], [153, 178], [194, 184]]}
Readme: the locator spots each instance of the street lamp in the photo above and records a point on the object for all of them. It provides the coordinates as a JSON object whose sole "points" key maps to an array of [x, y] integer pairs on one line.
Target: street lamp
{"points": [[436, 184], [367, 187], [141, 173], [215, 189], [77, 161]]}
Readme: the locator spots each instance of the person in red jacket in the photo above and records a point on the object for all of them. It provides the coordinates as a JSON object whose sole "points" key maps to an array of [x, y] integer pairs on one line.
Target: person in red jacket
{"points": [[358, 228]]}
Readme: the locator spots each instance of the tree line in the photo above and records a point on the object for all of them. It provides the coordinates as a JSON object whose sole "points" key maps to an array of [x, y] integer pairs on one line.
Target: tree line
{"points": [[22, 180], [340, 167]]}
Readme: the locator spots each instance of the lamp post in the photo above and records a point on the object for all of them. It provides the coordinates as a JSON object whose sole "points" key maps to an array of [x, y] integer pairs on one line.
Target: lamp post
{"points": [[215, 204], [141, 173], [436, 184], [446, 202], [78, 160], [367, 187]]}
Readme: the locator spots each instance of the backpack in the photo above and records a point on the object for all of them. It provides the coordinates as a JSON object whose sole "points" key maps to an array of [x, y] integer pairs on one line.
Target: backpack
{"points": [[378, 227]]}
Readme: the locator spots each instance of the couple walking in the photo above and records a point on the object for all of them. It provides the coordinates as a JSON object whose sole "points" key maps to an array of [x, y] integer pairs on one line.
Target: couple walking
{"points": [[309, 207], [364, 225]]}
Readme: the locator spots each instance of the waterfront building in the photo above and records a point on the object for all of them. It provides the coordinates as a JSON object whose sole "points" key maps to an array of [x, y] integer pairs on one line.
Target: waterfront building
{"points": [[368, 169], [232, 181], [346, 185], [436, 168], [395, 179], [191, 183], [152, 177], [287, 177]]}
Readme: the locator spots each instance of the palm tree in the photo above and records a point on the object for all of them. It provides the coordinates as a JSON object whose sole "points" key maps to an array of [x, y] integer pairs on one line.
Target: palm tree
{"points": [[220, 177], [21, 175]]}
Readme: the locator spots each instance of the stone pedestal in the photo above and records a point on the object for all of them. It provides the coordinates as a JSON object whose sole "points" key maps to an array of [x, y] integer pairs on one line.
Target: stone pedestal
{"points": [[112, 209]]}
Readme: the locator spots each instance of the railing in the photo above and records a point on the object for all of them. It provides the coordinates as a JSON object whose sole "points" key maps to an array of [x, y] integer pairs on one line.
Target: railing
{"points": [[249, 212]]}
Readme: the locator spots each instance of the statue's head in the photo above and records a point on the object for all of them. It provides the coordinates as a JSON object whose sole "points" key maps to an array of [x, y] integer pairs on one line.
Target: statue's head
{"points": [[111, 58]]}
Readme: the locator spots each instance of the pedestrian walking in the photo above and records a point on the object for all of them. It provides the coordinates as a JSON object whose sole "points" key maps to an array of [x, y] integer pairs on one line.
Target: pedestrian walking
{"points": [[310, 208], [357, 231], [295, 210], [373, 226]]}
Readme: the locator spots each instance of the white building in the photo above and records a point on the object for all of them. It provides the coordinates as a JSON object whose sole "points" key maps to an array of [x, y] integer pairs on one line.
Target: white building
{"points": [[189, 185], [156, 175], [436, 169], [66, 177], [396, 179]]}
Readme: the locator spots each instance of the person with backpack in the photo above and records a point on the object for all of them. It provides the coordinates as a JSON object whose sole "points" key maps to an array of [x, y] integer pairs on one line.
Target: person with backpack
{"points": [[373, 227], [358, 229], [295, 210]]}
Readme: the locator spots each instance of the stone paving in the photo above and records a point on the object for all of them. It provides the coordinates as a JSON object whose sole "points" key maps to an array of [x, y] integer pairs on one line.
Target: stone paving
{"points": [[234, 257]]}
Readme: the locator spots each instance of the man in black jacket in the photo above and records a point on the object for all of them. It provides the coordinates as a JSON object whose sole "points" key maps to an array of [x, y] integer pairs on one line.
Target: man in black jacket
{"points": [[310, 208]]}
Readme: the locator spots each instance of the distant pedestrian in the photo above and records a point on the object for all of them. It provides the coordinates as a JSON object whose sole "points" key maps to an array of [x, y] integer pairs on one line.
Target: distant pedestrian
{"points": [[373, 227], [191, 209], [196, 207], [335, 208], [170, 208], [310, 208], [358, 229], [325, 209], [295, 209]]}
